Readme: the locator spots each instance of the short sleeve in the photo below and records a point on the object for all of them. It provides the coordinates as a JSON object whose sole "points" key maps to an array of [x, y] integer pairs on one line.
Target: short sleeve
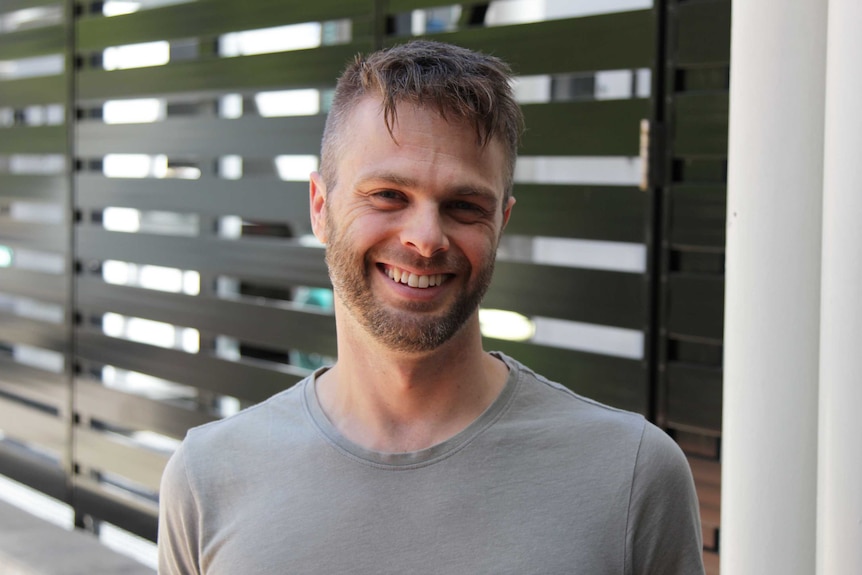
{"points": [[663, 534], [179, 520]]}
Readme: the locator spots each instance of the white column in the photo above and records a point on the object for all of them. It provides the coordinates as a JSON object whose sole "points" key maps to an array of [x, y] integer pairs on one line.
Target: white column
{"points": [[772, 302], [839, 508]]}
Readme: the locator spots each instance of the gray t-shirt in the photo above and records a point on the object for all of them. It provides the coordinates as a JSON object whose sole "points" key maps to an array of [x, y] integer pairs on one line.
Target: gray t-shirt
{"points": [[543, 482]]}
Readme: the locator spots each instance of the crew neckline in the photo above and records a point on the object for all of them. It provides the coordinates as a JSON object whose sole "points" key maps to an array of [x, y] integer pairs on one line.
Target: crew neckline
{"points": [[410, 459]]}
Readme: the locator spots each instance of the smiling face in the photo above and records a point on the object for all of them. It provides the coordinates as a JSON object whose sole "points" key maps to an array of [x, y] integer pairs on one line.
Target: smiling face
{"points": [[412, 225]]}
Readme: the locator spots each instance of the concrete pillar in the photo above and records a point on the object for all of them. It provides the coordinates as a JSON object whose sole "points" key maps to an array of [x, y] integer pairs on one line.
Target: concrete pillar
{"points": [[772, 306], [839, 508]]}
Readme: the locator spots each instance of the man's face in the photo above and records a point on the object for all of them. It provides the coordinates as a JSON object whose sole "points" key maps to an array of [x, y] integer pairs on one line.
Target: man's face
{"points": [[412, 227]]}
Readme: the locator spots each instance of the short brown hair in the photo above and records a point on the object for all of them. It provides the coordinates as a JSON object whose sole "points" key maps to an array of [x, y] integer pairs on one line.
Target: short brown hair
{"points": [[461, 83]]}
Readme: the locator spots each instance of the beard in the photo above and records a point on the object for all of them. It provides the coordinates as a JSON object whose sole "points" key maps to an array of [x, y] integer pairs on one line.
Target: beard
{"points": [[413, 327]]}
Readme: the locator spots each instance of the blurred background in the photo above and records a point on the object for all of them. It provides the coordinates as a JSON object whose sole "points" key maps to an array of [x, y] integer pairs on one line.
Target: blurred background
{"points": [[157, 269]]}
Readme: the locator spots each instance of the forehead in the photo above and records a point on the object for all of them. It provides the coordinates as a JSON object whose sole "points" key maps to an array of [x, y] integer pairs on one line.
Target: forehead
{"points": [[420, 137]]}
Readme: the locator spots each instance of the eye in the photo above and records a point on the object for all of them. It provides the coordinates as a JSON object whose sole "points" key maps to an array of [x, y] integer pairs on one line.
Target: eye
{"points": [[388, 198], [466, 206], [387, 194], [467, 212]]}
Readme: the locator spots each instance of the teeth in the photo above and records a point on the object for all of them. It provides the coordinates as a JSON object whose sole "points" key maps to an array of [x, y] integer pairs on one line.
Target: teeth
{"points": [[414, 280]]}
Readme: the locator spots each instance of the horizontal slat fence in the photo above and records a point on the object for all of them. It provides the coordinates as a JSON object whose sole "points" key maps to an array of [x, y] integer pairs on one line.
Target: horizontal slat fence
{"points": [[35, 256], [185, 284]]}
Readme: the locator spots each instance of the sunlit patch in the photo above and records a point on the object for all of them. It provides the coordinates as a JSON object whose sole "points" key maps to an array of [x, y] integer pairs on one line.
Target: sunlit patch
{"points": [[131, 165], [137, 111], [288, 103], [151, 332], [121, 219], [6, 256], [508, 325], [141, 55], [269, 40], [295, 168], [152, 277], [120, 7]]}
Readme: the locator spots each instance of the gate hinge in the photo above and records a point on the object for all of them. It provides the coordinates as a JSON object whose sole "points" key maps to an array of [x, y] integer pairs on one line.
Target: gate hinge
{"points": [[650, 154]]}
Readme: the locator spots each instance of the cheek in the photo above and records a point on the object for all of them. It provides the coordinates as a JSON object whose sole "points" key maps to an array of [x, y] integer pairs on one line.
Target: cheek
{"points": [[359, 237], [374, 227], [480, 248]]}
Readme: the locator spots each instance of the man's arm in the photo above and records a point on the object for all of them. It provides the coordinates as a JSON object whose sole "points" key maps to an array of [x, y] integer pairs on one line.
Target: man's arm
{"points": [[178, 520], [664, 532]]}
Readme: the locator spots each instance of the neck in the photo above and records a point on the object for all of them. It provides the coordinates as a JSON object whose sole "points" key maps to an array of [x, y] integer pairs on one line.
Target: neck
{"points": [[392, 401]]}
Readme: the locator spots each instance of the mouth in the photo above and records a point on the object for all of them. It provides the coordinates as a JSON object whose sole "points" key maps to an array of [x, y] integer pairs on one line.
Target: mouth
{"points": [[421, 281]]}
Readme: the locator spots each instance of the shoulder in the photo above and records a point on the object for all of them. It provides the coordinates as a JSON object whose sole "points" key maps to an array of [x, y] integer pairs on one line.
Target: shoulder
{"points": [[664, 531], [660, 454], [211, 447], [556, 403], [286, 403], [555, 423], [624, 453], [655, 456]]}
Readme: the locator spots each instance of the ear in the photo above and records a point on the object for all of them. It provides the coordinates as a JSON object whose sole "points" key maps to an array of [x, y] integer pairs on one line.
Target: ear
{"points": [[317, 206], [507, 211]]}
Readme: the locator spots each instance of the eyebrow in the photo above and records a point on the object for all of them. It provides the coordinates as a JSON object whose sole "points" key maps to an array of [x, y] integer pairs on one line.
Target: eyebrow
{"points": [[402, 181], [389, 178]]}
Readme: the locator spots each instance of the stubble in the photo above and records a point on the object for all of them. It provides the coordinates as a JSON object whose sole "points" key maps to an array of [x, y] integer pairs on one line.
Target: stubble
{"points": [[413, 327]]}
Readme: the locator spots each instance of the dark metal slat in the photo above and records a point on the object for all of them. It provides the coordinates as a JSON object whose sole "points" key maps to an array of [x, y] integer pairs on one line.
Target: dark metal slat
{"points": [[24, 331], [119, 510], [33, 188], [104, 453], [33, 140], [211, 18], [95, 401], [32, 426], [253, 323], [612, 213], [15, 5], [33, 91], [701, 124], [596, 128], [33, 470], [262, 137], [698, 215], [35, 236], [592, 296], [265, 259], [616, 381], [246, 380], [265, 199], [313, 68], [696, 307], [694, 397], [35, 42], [37, 285], [34, 384], [703, 33], [604, 42]]}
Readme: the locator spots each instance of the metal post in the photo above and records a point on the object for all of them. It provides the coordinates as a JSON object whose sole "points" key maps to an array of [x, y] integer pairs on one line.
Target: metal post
{"points": [[772, 306], [71, 312], [655, 340]]}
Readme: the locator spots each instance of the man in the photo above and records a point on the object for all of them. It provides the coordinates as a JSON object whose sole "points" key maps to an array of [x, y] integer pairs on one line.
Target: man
{"points": [[418, 452]]}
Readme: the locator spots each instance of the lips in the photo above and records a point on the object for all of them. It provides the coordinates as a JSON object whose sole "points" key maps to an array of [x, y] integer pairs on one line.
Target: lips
{"points": [[415, 280]]}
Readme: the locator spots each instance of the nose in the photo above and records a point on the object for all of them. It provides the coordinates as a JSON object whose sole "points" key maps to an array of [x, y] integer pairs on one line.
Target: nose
{"points": [[424, 232]]}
